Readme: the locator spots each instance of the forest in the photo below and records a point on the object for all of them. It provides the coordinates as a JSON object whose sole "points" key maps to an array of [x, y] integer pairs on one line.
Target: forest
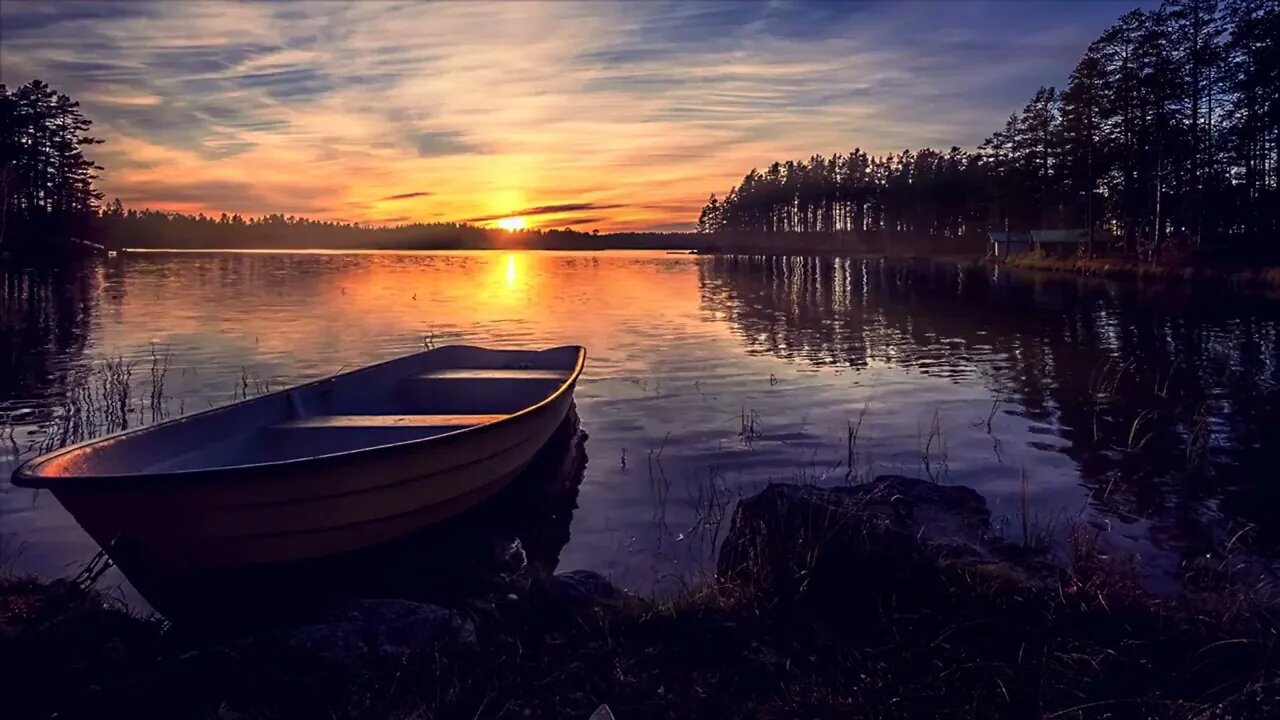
{"points": [[1164, 145], [46, 182], [153, 229]]}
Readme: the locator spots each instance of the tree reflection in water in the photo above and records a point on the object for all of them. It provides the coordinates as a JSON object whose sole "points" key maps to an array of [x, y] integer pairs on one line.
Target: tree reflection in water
{"points": [[1164, 397]]}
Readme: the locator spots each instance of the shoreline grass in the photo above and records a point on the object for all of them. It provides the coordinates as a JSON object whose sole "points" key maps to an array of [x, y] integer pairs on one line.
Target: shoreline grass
{"points": [[860, 633], [1247, 278], [1265, 278]]}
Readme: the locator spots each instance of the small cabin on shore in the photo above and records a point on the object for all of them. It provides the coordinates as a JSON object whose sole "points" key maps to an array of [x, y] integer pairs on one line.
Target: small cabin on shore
{"points": [[1054, 243], [1006, 244], [1059, 243]]}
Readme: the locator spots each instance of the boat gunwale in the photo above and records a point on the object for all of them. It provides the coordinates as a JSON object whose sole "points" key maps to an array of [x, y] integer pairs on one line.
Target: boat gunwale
{"points": [[25, 477]]}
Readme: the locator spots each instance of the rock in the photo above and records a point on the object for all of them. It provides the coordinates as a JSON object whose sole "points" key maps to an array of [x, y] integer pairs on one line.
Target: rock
{"points": [[358, 632], [845, 543], [583, 588]]}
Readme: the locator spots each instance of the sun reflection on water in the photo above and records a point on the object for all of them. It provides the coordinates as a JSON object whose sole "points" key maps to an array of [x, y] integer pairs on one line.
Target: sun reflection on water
{"points": [[513, 272]]}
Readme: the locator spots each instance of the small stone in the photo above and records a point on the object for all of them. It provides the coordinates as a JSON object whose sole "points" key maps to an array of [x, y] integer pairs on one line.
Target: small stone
{"points": [[380, 629], [583, 588]]}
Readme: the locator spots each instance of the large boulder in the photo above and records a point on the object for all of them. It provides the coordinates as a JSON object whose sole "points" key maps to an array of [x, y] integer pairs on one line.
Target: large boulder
{"points": [[846, 544]]}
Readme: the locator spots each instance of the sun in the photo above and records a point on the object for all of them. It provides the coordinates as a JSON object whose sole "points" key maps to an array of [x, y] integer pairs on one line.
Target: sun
{"points": [[511, 223]]}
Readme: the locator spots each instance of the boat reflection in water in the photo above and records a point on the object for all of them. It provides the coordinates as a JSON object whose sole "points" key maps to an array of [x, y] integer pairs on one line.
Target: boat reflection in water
{"points": [[526, 523]]}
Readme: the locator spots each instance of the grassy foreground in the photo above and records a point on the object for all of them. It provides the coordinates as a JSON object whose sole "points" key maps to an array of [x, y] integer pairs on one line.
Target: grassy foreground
{"points": [[857, 624]]}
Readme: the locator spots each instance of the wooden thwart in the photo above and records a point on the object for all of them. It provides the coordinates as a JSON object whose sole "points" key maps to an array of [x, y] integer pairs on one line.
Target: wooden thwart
{"points": [[494, 374], [374, 421]]}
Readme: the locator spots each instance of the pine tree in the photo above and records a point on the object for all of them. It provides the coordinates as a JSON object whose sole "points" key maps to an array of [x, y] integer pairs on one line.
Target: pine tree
{"points": [[1084, 144], [46, 182]]}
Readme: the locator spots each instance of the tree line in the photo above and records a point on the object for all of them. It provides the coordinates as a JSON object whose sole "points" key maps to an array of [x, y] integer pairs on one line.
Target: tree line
{"points": [[1165, 141], [118, 227], [46, 182], [132, 228]]}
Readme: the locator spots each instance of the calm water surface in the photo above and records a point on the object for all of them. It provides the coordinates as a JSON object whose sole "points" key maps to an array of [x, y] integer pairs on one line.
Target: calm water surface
{"points": [[1143, 411]]}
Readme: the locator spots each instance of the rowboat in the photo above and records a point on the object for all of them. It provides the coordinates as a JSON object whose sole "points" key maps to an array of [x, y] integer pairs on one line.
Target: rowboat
{"points": [[341, 464]]}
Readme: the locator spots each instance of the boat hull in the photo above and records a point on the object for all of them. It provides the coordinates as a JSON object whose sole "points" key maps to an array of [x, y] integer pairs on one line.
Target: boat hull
{"points": [[445, 562], [178, 521], [383, 494]]}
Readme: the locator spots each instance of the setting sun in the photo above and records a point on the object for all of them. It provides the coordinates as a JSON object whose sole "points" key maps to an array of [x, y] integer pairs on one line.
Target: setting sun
{"points": [[512, 223]]}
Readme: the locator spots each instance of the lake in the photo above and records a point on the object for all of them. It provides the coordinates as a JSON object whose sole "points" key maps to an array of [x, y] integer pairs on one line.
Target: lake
{"points": [[1145, 412]]}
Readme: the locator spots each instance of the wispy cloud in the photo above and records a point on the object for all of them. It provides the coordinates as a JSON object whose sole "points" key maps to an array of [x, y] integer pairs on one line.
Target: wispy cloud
{"points": [[566, 207], [635, 111], [544, 210], [406, 196], [574, 221], [431, 144]]}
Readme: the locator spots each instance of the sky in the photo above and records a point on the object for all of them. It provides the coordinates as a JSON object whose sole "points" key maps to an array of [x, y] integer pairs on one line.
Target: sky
{"points": [[595, 115]]}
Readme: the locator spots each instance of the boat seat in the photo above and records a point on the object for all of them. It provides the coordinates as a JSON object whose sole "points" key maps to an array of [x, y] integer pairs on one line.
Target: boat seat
{"points": [[478, 390], [383, 421], [494, 374], [324, 434]]}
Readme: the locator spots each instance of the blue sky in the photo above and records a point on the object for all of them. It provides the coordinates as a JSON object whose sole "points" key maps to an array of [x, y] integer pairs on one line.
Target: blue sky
{"points": [[630, 114]]}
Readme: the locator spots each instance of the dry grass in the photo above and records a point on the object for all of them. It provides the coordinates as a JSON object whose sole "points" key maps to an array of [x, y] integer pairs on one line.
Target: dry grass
{"points": [[106, 397], [1130, 269], [879, 634]]}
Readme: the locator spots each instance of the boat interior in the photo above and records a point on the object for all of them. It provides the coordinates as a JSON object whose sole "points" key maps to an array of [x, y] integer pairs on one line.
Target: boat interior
{"points": [[412, 398]]}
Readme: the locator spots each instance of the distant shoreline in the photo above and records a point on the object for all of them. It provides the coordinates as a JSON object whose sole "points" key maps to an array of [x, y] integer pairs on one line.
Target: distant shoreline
{"points": [[1120, 269], [387, 251], [833, 244]]}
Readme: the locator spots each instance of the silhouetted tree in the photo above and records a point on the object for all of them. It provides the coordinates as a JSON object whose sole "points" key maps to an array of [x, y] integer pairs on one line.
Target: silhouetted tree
{"points": [[1252, 71], [46, 182], [709, 220], [1084, 146]]}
